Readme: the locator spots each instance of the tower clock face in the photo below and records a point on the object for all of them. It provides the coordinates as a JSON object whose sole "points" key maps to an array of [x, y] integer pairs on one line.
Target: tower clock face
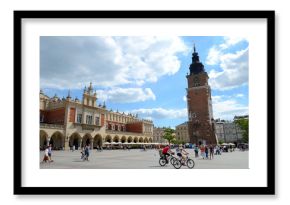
{"points": [[193, 115]]}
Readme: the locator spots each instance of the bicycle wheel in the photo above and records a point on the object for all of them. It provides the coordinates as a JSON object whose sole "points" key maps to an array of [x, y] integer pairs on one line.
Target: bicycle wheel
{"points": [[177, 164], [162, 162], [190, 163], [172, 160]]}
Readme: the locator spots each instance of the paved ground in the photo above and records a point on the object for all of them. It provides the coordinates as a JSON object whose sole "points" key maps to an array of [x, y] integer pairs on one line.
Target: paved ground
{"points": [[136, 159]]}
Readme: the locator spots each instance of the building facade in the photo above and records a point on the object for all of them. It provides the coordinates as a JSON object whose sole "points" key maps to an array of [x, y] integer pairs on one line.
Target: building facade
{"points": [[158, 133], [229, 131], [199, 104], [219, 130], [68, 122], [182, 132]]}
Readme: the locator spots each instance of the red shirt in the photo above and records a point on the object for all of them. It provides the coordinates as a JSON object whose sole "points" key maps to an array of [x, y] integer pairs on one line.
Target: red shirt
{"points": [[165, 150]]}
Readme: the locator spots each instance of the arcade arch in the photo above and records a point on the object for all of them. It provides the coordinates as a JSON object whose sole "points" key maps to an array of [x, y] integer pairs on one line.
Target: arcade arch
{"points": [[108, 139], [130, 139], [87, 140], [57, 141], [75, 140], [98, 141], [43, 142], [116, 139], [123, 139]]}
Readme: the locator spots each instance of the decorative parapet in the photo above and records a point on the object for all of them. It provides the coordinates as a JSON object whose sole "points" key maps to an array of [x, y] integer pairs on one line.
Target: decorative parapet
{"points": [[51, 126], [123, 133], [88, 126]]}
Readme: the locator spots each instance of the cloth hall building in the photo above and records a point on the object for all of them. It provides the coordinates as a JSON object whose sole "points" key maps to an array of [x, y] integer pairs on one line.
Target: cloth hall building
{"points": [[67, 123]]}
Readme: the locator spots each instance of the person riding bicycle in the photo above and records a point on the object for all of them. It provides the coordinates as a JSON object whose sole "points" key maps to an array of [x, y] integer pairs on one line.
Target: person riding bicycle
{"points": [[183, 152], [166, 152], [178, 152]]}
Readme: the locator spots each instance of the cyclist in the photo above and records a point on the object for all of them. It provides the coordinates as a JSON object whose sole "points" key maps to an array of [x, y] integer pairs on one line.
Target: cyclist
{"points": [[166, 152], [178, 152], [183, 152]]}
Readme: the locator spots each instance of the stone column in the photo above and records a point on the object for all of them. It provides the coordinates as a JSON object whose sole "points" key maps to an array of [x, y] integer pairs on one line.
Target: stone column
{"points": [[92, 144], [66, 144], [48, 140]]}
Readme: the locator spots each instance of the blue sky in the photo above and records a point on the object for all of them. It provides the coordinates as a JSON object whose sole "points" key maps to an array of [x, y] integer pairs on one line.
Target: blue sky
{"points": [[146, 74]]}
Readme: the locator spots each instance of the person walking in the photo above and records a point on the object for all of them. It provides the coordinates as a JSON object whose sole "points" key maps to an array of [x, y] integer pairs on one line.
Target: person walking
{"points": [[196, 151], [87, 152], [206, 152], [45, 157], [202, 151], [49, 153], [211, 152]]}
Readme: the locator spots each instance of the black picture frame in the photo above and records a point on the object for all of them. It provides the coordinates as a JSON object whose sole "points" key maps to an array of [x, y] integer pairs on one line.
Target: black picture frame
{"points": [[21, 190]]}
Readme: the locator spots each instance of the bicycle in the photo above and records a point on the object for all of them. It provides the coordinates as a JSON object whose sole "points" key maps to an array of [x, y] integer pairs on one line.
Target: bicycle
{"points": [[171, 159], [187, 162]]}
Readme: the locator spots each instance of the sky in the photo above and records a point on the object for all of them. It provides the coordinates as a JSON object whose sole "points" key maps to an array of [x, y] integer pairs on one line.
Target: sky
{"points": [[146, 75]]}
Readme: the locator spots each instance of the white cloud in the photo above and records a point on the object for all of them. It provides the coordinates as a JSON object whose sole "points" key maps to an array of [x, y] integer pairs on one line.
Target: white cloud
{"points": [[227, 107], [184, 99], [233, 65], [213, 56], [240, 95], [231, 41], [72, 62], [161, 113], [126, 95], [234, 71]]}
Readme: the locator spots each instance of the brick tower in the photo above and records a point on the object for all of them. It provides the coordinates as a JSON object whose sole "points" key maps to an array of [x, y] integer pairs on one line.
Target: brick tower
{"points": [[199, 104]]}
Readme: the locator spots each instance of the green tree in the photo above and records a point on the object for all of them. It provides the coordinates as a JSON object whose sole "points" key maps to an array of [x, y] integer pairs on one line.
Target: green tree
{"points": [[176, 141], [244, 125], [169, 135], [221, 141]]}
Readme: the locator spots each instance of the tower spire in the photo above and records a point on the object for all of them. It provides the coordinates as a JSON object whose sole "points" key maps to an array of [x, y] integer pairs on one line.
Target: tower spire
{"points": [[196, 66], [68, 95]]}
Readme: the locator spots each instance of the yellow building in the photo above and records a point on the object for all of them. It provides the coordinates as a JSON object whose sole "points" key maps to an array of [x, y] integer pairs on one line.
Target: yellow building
{"points": [[68, 122], [182, 132]]}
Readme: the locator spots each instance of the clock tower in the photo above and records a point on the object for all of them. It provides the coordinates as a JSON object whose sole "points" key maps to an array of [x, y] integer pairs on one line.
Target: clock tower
{"points": [[199, 104]]}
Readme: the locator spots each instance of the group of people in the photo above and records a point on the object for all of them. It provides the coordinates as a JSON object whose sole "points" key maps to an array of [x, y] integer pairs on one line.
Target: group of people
{"points": [[180, 152], [206, 151], [85, 153]]}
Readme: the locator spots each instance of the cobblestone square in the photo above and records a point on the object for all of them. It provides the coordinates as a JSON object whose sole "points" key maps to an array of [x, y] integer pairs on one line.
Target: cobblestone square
{"points": [[139, 159]]}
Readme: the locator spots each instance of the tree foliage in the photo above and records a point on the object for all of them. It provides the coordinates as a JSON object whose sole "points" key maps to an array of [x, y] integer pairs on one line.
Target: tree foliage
{"points": [[221, 141], [169, 135], [244, 125]]}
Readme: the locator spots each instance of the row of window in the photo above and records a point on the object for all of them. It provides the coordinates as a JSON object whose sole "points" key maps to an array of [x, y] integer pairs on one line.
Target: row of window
{"points": [[89, 119], [115, 127], [117, 118], [148, 128]]}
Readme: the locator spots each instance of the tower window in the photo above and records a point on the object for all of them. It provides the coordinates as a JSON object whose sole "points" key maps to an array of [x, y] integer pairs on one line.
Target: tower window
{"points": [[97, 120], [89, 119], [79, 118]]}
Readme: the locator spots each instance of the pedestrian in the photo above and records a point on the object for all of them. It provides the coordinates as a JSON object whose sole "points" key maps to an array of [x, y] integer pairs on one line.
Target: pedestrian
{"points": [[202, 151], [196, 151], [45, 157], [211, 151], [206, 152], [87, 153], [49, 153]]}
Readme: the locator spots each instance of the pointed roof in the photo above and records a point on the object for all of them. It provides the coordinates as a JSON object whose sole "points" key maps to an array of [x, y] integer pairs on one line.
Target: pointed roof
{"points": [[196, 66]]}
